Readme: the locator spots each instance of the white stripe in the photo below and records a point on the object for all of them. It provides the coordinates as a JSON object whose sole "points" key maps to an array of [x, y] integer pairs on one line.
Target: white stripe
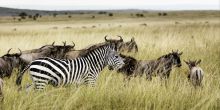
{"points": [[75, 74]]}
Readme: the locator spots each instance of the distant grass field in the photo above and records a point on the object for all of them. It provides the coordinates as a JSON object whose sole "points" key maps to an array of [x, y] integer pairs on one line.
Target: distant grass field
{"points": [[198, 37]]}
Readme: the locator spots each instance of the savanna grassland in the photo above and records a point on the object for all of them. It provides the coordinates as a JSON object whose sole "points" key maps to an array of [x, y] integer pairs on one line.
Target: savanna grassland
{"points": [[196, 34]]}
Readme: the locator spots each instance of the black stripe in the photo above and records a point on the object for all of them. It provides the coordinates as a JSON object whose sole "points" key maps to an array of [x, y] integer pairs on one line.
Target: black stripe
{"points": [[197, 76], [75, 66], [71, 69]]}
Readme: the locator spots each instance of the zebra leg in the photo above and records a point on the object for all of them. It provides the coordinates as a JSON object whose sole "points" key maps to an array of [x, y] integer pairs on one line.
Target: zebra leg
{"points": [[29, 87], [90, 80]]}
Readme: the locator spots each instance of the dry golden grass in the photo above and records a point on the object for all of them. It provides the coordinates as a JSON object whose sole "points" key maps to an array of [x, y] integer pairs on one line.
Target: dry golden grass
{"points": [[197, 40]]}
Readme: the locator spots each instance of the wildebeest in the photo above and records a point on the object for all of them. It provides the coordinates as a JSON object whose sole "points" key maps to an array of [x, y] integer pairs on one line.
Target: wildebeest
{"points": [[162, 66], [8, 62], [129, 67], [1, 90], [195, 75], [129, 46], [124, 46], [53, 51]]}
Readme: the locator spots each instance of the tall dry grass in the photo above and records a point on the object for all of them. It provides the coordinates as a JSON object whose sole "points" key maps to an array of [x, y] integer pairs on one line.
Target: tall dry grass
{"points": [[197, 40]]}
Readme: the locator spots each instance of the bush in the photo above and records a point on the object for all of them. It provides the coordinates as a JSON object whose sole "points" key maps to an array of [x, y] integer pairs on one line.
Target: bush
{"points": [[55, 14], [34, 18], [30, 16], [110, 14], [22, 14], [139, 15], [37, 14], [102, 12], [159, 14], [164, 14]]}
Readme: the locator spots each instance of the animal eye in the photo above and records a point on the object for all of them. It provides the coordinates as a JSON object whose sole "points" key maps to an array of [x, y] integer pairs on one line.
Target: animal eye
{"points": [[116, 56]]}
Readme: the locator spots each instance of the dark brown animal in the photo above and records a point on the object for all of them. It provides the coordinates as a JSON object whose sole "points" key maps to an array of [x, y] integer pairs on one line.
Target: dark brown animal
{"points": [[53, 51], [8, 62], [159, 67], [1, 90], [129, 67], [129, 46]]}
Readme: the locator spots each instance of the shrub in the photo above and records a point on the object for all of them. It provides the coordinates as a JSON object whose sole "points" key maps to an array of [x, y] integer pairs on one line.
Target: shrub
{"points": [[110, 14]]}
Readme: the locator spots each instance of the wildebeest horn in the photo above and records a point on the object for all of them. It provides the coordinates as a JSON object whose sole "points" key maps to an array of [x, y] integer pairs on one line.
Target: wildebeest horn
{"points": [[64, 43], [20, 51], [132, 39], [120, 38], [106, 38], [73, 44], [9, 50], [53, 43], [180, 53]]}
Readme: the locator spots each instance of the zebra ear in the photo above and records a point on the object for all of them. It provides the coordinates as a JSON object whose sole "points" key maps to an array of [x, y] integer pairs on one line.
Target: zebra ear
{"points": [[198, 62], [132, 39], [186, 62], [180, 53], [53, 43]]}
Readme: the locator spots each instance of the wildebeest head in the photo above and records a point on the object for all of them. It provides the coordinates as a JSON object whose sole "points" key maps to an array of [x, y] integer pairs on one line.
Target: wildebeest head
{"points": [[8, 62], [129, 66], [175, 58], [192, 64], [13, 59], [130, 46], [60, 51], [118, 43]]}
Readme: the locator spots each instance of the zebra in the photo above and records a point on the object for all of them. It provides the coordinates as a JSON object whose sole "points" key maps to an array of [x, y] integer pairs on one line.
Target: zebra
{"points": [[161, 66], [82, 70], [196, 73]]}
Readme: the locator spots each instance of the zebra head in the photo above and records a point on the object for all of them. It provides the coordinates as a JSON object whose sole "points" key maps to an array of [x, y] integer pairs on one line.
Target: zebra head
{"points": [[175, 57], [114, 60], [192, 64]]}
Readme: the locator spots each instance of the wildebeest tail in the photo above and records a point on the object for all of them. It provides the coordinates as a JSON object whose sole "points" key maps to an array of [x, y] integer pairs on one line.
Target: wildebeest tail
{"points": [[19, 78]]}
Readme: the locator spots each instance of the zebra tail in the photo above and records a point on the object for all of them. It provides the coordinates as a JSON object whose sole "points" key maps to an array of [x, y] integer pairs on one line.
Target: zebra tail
{"points": [[19, 78]]}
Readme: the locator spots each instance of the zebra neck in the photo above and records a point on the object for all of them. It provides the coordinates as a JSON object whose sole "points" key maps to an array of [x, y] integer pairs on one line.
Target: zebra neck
{"points": [[96, 60]]}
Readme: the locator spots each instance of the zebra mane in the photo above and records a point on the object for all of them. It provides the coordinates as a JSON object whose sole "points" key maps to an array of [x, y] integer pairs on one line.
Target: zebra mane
{"points": [[94, 47]]}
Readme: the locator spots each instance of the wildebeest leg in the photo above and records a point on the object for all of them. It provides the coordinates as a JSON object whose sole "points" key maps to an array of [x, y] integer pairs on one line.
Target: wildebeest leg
{"points": [[148, 74], [127, 80]]}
